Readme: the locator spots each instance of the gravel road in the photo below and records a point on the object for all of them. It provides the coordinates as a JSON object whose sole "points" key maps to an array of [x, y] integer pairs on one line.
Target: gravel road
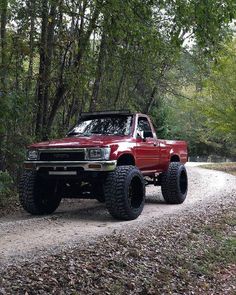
{"points": [[25, 237]]}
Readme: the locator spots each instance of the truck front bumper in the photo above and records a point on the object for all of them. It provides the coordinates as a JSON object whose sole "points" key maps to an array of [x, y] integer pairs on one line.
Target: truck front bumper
{"points": [[65, 165]]}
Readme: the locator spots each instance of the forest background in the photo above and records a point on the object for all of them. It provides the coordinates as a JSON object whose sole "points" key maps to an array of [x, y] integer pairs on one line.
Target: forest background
{"points": [[174, 60]]}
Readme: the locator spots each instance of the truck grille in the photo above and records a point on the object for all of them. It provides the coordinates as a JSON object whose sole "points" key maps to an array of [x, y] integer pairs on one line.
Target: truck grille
{"points": [[62, 156]]}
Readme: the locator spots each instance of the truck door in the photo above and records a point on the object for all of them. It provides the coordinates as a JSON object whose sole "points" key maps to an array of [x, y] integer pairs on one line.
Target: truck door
{"points": [[147, 151]]}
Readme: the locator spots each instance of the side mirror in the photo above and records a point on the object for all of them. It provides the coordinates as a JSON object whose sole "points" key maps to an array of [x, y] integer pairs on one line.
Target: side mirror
{"points": [[141, 134], [147, 134]]}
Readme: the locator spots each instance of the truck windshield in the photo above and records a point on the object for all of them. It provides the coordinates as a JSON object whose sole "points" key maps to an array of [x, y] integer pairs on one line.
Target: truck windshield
{"points": [[115, 125]]}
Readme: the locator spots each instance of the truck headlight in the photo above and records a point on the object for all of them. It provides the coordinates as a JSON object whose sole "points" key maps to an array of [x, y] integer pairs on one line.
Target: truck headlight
{"points": [[32, 155], [98, 153]]}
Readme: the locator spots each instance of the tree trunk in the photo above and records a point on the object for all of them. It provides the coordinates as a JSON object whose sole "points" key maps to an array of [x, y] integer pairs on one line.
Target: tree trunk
{"points": [[42, 66], [31, 4], [99, 73], [84, 39], [49, 56], [151, 100], [85, 36], [119, 87], [60, 92], [56, 103], [46, 54], [3, 75], [3, 45]]}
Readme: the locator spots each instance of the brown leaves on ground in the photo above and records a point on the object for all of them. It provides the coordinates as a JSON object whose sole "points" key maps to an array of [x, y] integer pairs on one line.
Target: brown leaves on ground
{"points": [[194, 254]]}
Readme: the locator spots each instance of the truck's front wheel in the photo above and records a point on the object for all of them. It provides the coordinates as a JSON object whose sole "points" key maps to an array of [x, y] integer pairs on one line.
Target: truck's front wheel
{"points": [[125, 193], [174, 183], [38, 196]]}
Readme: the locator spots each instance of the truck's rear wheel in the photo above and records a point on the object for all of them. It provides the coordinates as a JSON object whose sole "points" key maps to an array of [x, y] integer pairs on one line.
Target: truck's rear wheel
{"points": [[174, 183], [125, 192], [38, 196]]}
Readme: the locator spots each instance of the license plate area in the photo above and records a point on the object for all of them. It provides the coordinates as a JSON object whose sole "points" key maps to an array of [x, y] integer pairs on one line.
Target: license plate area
{"points": [[62, 172]]}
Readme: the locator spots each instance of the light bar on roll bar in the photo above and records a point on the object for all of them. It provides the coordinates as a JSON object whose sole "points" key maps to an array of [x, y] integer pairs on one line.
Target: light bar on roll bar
{"points": [[104, 113]]}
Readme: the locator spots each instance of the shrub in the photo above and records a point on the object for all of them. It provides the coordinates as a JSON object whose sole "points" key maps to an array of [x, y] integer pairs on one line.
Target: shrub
{"points": [[6, 187]]}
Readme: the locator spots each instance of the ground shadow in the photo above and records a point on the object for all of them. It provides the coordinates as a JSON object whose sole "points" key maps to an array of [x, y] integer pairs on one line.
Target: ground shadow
{"points": [[81, 209], [97, 213], [154, 201]]}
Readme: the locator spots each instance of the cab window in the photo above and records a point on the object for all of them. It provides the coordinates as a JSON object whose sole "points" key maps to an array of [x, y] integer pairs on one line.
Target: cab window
{"points": [[143, 125]]}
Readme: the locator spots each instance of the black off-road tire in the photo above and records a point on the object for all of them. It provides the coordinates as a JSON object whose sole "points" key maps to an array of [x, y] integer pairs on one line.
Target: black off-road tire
{"points": [[125, 192], [38, 196], [174, 183]]}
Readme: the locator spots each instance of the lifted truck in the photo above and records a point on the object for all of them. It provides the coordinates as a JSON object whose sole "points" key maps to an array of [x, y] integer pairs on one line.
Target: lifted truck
{"points": [[109, 156]]}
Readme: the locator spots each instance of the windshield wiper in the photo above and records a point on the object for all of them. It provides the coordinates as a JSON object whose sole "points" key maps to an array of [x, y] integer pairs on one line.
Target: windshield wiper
{"points": [[74, 134], [71, 134]]}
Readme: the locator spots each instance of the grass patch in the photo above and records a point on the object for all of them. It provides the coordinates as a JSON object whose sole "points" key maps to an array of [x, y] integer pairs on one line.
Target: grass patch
{"points": [[225, 167], [206, 262], [217, 257], [8, 195], [9, 204]]}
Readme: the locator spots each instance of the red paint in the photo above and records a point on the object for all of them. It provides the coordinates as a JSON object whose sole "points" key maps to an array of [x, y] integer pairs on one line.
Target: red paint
{"points": [[151, 155]]}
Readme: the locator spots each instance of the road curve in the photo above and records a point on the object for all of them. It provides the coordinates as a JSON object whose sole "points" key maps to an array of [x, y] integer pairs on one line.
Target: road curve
{"points": [[25, 237]]}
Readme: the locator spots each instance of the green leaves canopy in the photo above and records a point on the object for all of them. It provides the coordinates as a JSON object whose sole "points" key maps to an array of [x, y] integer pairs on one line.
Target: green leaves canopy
{"points": [[220, 94]]}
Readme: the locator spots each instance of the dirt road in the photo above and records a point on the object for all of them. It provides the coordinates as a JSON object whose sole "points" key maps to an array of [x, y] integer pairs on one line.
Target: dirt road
{"points": [[23, 236]]}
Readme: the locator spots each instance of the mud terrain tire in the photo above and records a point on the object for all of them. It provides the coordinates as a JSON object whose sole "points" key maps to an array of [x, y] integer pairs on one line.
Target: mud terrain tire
{"points": [[38, 196], [125, 192], [174, 183]]}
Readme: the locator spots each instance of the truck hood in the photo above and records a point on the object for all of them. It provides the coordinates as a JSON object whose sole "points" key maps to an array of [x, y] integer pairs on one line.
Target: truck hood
{"points": [[80, 141]]}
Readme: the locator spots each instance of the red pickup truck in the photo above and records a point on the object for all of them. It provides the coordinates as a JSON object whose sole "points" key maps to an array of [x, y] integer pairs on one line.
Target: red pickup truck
{"points": [[110, 156]]}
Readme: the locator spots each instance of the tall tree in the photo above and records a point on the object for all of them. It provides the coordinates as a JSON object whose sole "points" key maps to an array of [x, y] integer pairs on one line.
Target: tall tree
{"points": [[3, 76], [46, 55]]}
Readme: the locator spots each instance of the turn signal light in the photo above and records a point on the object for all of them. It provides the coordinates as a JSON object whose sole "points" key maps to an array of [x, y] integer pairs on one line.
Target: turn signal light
{"points": [[94, 166]]}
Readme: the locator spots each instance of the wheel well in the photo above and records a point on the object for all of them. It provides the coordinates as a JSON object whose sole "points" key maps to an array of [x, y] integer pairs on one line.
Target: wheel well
{"points": [[126, 159], [175, 158]]}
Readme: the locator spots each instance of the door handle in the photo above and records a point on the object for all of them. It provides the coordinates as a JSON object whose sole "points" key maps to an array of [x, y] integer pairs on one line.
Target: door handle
{"points": [[155, 144]]}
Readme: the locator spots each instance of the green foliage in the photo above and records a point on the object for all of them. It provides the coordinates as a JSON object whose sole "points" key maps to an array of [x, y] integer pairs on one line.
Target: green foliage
{"points": [[6, 186], [204, 112], [210, 21], [58, 57], [219, 95]]}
